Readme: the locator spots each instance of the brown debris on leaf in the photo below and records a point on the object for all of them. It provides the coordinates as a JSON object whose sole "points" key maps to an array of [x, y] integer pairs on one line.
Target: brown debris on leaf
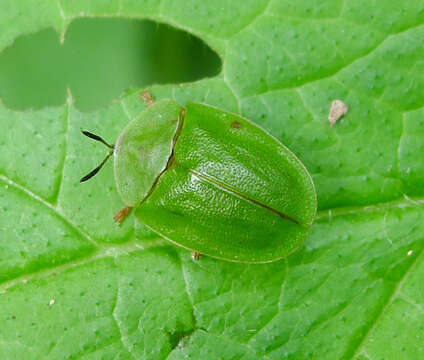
{"points": [[120, 216], [196, 255], [337, 110], [146, 97]]}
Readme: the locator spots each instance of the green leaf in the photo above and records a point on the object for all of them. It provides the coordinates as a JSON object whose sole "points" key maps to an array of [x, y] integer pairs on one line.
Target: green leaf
{"points": [[74, 285]]}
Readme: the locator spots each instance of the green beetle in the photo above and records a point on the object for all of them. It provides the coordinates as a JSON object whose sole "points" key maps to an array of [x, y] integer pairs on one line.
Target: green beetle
{"points": [[212, 182]]}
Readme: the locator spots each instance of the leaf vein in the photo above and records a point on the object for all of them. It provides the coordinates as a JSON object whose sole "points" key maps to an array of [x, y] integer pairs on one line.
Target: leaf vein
{"points": [[336, 71], [388, 301], [50, 206]]}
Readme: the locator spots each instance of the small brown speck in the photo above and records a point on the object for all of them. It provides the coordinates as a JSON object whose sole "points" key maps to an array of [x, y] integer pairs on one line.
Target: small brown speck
{"points": [[337, 110], [146, 97], [121, 215], [196, 255], [235, 125], [13, 317]]}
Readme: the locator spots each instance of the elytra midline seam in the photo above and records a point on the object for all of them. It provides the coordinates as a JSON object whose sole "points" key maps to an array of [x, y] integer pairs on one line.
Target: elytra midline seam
{"points": [[245, 197]]}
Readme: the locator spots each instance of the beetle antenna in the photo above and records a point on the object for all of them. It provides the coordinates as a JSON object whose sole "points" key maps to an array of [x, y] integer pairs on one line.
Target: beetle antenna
{"points": [[97, 138], [97, 169]]}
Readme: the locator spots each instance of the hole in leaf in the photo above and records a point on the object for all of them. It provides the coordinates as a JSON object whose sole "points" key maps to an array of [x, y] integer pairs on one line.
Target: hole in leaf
{"points": [[99, 59]]}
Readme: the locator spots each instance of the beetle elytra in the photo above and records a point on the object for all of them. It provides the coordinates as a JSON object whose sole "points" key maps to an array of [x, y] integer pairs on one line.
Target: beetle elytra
{"points": [[212, 182]]}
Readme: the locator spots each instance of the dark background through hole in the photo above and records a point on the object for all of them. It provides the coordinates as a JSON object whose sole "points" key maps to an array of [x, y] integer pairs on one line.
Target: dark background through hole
{"points": [[98, 61]]}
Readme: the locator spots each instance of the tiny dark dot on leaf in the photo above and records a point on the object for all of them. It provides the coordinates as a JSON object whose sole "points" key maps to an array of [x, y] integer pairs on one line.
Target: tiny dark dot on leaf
{"points": [[235, 125]]}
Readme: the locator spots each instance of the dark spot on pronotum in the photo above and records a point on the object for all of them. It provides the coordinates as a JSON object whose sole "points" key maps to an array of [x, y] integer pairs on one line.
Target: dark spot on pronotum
{"points": [[235, 125]]}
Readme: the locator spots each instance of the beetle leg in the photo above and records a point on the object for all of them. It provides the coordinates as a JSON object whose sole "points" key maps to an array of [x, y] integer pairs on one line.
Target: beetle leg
{"points": [[120, 216], [147, 98], [196, 255]]}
